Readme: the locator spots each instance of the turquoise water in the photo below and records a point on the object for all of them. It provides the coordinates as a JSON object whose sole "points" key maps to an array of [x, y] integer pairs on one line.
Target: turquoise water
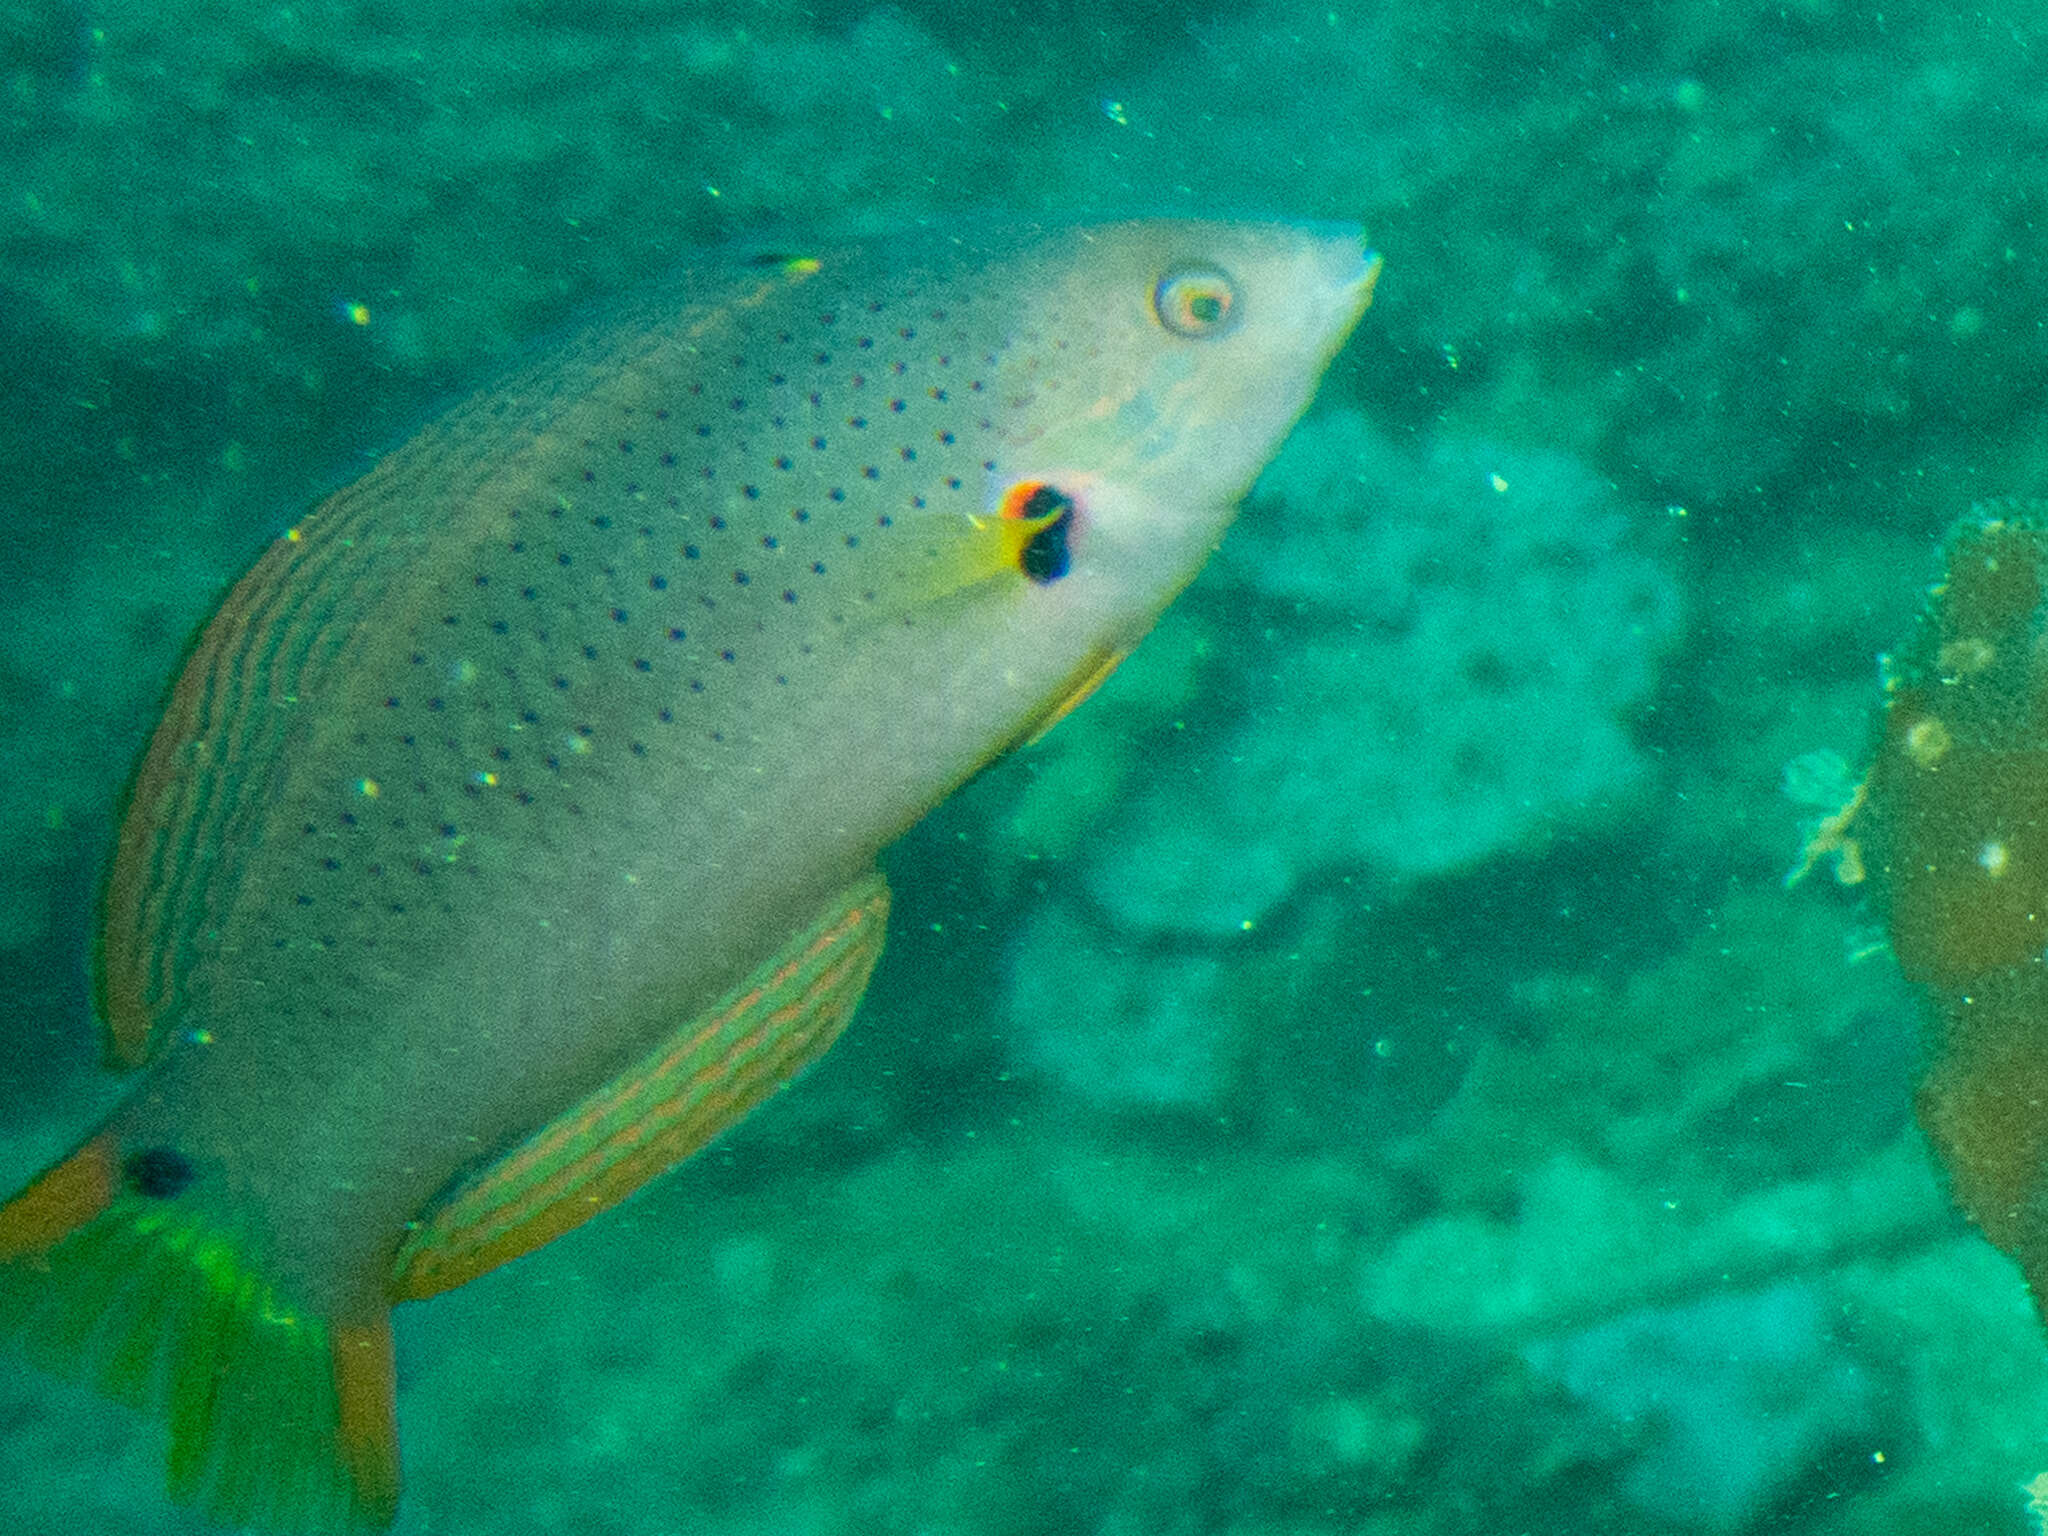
{"points": [[1365, 1072]]}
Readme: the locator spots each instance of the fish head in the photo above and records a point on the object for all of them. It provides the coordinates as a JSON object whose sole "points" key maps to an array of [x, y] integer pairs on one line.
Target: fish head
{"points": [[1151, 371]]}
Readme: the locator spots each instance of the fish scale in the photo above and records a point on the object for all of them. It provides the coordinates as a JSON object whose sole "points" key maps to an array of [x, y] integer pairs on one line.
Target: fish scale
{"points": [[574, 610], [511, 829]]}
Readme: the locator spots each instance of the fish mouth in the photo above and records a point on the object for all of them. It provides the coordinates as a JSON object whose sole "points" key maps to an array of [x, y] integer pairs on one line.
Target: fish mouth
{"points": [[1359, 293], [1354, 294], [1356, 273], [1350, 265]]}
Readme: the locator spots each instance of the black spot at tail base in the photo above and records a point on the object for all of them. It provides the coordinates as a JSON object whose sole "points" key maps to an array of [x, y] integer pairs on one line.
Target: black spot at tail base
{"points": [[157, 1172]]}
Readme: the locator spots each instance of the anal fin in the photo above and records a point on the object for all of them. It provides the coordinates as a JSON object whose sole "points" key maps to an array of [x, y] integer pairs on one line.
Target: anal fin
{"points": [[700, 1081]]}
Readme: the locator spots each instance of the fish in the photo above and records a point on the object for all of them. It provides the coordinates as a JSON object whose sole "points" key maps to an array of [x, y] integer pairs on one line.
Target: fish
{"points": [[512, 828], [1948, 834]]}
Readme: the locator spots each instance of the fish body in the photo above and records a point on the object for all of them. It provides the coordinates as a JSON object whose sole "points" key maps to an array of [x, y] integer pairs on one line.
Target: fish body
{"points": [[512, 827]]}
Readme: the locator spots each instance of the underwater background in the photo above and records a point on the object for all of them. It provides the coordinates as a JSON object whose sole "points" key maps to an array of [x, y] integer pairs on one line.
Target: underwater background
{"points": [[1366, 1071]]}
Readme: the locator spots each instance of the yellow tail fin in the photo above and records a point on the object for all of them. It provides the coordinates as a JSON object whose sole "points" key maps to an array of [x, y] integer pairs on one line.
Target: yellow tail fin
{"points": [[279, 1419]]}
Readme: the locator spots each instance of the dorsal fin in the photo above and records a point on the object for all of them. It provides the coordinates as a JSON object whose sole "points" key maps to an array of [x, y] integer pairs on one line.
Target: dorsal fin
{"points": [[701, 1080], [262, 666]]}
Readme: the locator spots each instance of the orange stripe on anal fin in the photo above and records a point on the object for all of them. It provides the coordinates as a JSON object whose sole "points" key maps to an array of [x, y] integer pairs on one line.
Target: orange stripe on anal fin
{"points": [[366, 1417], [713, 1069], [64, 1199]]}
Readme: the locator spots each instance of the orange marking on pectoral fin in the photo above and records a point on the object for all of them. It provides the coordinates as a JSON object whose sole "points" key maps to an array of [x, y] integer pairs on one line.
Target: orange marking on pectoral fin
{"points": [[62, 1200], [701, 1080], [365, 1393]]}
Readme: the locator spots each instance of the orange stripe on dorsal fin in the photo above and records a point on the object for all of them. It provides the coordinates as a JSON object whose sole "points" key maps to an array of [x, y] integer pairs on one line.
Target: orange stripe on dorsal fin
{"points": [[271, 658], [707, 1075]]}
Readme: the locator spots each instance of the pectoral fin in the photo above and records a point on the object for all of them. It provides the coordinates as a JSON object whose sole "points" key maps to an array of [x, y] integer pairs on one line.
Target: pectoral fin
{"points": [[706, 1076]]}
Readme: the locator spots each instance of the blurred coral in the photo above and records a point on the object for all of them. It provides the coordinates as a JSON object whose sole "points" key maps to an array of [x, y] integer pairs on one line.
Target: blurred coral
{"points": [[1454, 643]]}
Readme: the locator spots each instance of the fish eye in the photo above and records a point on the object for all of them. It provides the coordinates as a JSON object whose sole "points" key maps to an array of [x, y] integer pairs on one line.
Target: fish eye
{"points": [[1197, 301]]}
